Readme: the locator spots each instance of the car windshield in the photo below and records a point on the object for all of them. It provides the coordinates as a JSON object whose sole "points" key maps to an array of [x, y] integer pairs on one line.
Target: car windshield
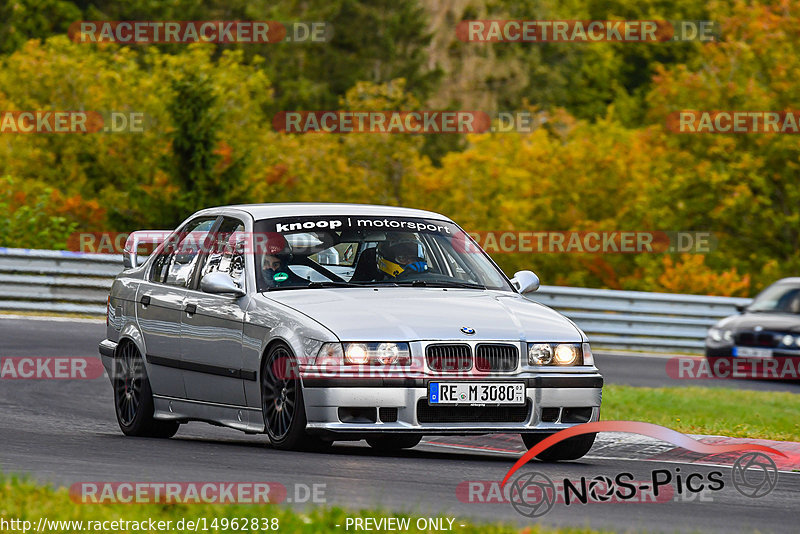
{"points": [[351, 251], [781, 298]]}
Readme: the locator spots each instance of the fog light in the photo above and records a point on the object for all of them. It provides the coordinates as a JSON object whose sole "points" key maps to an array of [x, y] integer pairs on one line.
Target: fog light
{"points": [[540, 354], [566, 354], [356, 354]]}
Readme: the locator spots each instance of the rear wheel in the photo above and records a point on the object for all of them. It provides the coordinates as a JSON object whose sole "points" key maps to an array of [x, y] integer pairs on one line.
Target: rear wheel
{"points": [[393, 443], [282, 402], [133, 398], [569, 449]]}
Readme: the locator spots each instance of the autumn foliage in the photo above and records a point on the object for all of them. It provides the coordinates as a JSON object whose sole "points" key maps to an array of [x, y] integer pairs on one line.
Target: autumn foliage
{"points": [[208, 140]]}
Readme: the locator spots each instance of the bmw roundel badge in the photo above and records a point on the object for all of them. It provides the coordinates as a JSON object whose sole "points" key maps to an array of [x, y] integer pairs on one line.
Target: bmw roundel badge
{"points": [[468, 331]]}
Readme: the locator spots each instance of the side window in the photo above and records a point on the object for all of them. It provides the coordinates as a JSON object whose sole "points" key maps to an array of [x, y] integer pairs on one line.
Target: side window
{"points": [[226, 255], [176, 263]]}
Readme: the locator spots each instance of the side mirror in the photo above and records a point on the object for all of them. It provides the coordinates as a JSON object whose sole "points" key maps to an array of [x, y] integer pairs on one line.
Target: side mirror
{"points": [[741, 308], [525, 281], [131, 260], [138, 242], [220, 283]]}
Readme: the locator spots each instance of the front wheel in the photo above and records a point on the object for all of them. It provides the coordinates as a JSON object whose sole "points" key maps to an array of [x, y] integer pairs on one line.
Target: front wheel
{"points": [[569, 449], [393, 443], [133, 398], [282, 403]]}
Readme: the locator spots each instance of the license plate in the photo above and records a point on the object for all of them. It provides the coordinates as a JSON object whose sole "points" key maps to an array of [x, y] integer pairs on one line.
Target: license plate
{"points": [[476, 393], [752, 352]]}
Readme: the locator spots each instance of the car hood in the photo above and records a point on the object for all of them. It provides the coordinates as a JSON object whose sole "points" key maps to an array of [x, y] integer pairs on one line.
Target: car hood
{"points": [[774, 322], [409, 314]]}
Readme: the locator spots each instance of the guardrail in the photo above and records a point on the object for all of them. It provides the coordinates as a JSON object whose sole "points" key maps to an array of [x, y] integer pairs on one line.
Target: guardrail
{"points": [[56, 281], [640, 320], [71, 282]]}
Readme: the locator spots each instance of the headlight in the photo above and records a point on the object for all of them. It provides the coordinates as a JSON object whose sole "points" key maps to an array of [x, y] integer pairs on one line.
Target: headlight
{"points": [[388, 353], [566, 354], [787, 340], [727, 335], [715, 334], [558, 354], [364, 354], [540, 354], [356, 354]]}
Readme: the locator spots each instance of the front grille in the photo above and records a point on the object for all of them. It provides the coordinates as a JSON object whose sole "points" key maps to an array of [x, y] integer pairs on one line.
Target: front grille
{"points": [[766, 340], [760, 339], [496, 358], [747, 339], [388, 415], [471, 414], [449, 358]]}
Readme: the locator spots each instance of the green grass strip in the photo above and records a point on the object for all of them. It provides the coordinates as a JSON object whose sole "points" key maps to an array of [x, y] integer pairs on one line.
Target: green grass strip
{"points": [[698, 410]]}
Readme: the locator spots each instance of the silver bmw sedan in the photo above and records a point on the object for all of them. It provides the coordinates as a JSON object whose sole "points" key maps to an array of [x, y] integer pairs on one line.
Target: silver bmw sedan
{"points": [[316, 323]]}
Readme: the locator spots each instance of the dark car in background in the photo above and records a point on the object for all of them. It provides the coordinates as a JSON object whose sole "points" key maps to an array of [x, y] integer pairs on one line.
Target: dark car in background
{"points": [[769, 327]]}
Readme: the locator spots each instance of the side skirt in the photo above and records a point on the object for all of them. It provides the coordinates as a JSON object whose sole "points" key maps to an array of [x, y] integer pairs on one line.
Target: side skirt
{"points": [[249, 420]]}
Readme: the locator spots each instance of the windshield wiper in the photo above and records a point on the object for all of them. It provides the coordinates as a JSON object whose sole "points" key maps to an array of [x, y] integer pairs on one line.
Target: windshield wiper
{"points": [[329, 283], [440, 283], [313, 285]]}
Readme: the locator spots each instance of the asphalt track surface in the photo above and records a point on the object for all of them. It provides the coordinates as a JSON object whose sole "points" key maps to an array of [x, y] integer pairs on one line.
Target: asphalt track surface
{"points": [[65, 432]]}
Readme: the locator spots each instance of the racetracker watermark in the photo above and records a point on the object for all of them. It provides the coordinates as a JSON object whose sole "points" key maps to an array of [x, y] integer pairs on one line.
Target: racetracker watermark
{"points": [[587, 242], [196, 493], [693, 368], [205, 31], [319, 368], [586, 31], [428, 122], [50, 368], [736, 122], [145, 241], [395, 122], [70, 122]]}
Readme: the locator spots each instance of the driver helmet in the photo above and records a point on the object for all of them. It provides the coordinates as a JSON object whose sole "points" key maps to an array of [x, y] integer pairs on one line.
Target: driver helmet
{"points": [[399, 253], [274, 253]]}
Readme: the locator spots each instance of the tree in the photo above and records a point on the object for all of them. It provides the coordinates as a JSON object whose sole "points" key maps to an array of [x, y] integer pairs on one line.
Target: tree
{"points": [[194, 139]]}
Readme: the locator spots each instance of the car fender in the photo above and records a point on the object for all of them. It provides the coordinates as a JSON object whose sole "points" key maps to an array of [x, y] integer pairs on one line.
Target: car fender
{"points": [[131, 332], [267, 322]]}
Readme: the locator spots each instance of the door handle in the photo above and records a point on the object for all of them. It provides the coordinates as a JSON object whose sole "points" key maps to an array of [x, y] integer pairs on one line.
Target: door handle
{"points": [[191, 309], [145, 300]]}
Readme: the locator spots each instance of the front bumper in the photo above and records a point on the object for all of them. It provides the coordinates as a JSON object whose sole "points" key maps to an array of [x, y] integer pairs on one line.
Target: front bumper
{"points": [[552, 404], [107, 349]]}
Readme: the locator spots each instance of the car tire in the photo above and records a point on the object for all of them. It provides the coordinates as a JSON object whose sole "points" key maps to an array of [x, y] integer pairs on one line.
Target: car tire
{"points": [[393, 443], [133, 397], [569, 449], [282, 403]]}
